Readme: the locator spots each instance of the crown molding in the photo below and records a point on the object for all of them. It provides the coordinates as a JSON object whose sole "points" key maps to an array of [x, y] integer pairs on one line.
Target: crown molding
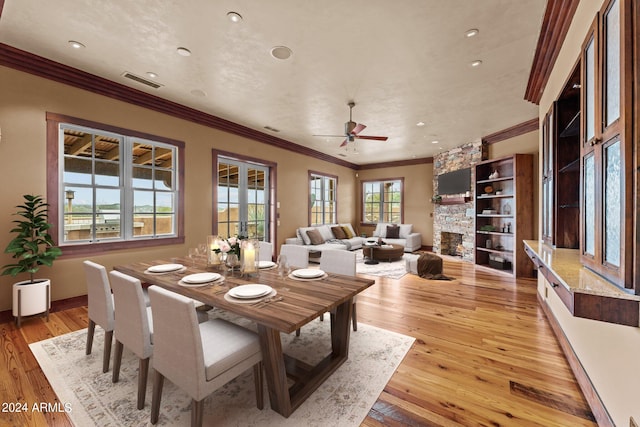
{"points": [[512, 132], [555, 24]]}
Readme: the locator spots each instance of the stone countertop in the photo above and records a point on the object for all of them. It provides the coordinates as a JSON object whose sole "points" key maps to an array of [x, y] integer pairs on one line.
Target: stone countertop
{"points": [[566, 265]]}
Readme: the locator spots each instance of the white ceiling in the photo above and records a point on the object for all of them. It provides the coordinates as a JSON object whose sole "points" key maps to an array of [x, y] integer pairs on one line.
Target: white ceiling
{"points": [[402, 62]]}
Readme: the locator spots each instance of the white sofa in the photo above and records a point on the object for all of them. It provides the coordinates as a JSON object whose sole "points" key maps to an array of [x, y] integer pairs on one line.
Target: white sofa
{"points": [[406, 237], [329, 239]]}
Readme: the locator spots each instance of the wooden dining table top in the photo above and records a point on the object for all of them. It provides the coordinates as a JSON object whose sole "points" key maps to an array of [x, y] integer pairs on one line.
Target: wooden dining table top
{"points": [[297, 301]]}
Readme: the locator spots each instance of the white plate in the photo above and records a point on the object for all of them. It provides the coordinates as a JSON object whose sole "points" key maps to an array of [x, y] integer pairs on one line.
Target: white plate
{"points": [[164, 268], [250, 291], [201, 278], [266, 264], [308, 273], [199, 285]]}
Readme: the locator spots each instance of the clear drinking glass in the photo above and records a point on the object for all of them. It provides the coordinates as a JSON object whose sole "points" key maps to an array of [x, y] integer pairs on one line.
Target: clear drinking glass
{"points": [[192, 254], [283, 266]]}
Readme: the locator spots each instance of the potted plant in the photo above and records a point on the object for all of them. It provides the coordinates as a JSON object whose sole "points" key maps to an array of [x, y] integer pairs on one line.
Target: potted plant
{"points": [[31, 248]]}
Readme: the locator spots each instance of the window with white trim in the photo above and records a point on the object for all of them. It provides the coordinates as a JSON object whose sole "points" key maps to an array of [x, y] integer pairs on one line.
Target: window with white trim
{"points": [[382, 201], [115, 187], [322, 199]]}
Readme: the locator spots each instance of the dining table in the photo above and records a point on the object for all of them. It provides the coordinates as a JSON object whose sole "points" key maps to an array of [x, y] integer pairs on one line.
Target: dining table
{"points": [[293, 303]]}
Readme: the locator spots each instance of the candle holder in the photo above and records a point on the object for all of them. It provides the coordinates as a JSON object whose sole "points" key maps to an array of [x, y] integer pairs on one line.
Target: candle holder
{"points": [[249, 257], [213, 249]]}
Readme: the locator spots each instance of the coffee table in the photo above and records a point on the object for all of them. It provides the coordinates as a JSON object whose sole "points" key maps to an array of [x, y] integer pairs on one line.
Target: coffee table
{"points": [[382, 253]]}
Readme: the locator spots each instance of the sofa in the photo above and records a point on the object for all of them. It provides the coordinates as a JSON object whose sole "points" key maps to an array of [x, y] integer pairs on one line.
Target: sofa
{"points": [[342, 236], [328, 236], [398, 234]]}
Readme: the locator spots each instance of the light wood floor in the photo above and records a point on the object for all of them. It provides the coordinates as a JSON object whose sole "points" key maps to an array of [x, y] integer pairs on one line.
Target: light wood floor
{"points": [[484, 355]]}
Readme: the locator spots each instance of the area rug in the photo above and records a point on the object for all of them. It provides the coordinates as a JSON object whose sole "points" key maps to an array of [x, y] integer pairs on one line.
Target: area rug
{"points": [[344, 399], [393, 270]]}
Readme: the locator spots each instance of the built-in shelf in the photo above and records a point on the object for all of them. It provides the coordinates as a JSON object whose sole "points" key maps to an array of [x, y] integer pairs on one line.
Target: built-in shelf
{"points": [[499, 179], [573, 166], [573, 128], [515, 184]]}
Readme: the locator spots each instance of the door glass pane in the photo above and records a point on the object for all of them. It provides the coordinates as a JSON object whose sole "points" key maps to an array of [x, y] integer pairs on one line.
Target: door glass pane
{"points": [[612, 210], [612, 57], [589, 92], [589, 205]]}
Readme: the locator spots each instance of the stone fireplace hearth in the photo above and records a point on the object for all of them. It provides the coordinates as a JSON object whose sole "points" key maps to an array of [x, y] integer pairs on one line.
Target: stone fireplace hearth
{"points": [[456, 219]]}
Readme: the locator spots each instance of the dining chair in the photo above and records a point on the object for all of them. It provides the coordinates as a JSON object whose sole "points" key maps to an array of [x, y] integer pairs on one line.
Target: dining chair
{"points": [[100, 304], [341, 262], [133, 328], [297, 256], [198, 358], [265, 251]]}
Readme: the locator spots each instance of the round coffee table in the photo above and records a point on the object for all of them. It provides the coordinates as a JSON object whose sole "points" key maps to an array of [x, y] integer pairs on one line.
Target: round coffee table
{"points": [[382, 253]]}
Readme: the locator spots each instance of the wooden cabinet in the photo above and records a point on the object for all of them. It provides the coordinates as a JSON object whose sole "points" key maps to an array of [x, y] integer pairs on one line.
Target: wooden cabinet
{"points": [[606, 145], [504, 213]]}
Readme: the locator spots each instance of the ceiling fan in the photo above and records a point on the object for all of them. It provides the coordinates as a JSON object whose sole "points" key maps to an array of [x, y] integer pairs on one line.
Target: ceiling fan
{"points": [[353, 129]]}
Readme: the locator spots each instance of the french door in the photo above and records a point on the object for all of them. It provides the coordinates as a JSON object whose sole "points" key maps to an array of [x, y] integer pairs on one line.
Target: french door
{"points": [[242, 199]]}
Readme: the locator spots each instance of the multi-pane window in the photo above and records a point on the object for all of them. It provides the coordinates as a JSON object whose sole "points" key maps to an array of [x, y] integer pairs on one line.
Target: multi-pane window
{"points": [[382, 201], [115, 187], [322, 204]]}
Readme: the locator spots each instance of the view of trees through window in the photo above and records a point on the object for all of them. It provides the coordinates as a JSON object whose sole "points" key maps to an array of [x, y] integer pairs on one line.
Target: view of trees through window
{"points": [[382, 201]]}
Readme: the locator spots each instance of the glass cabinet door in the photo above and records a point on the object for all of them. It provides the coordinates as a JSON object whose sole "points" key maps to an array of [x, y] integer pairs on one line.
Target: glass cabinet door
{"points": [[613, 219]]}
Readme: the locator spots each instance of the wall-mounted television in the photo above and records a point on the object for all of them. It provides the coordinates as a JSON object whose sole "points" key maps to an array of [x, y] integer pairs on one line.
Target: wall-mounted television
{"points": [[456, 182]]}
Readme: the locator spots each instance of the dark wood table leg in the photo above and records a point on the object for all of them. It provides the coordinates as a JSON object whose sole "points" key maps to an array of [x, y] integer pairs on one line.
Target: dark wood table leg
{"points": [[275, 371], [340, 330]]}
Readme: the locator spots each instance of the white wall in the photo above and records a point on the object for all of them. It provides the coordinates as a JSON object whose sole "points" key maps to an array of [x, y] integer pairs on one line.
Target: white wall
{"points": [[609, 353]]}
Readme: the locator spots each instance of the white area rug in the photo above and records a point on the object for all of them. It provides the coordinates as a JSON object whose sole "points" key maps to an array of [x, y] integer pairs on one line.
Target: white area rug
{"points": [[343, 400], [394, 269]]}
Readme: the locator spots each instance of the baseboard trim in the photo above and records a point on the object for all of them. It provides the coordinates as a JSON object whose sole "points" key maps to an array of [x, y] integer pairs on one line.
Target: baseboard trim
{"points": [[59, 305], [590, 393]]}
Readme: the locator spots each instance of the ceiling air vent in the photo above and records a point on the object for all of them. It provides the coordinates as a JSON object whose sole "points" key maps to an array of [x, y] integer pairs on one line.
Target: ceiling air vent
{"points": [[142, 80]]}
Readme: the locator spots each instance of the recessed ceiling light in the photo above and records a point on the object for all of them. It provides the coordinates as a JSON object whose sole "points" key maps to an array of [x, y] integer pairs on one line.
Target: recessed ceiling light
{"points": [[476, 63], [420, 124], [281, 52], [435, 142], [234, 17], [152, 74], [472, 32], [183, 51], [76, 45]]}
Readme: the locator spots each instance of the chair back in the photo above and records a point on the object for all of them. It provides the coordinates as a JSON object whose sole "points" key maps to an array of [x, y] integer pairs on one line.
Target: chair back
{"points": [[100, 300], [178, 353], [266, 251], [297, 256], [338, 262], [131, 314]]}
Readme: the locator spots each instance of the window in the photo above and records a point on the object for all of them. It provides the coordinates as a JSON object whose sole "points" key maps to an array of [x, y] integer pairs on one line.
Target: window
{"points": [[382, 201], [322, 199], [113, 186]]}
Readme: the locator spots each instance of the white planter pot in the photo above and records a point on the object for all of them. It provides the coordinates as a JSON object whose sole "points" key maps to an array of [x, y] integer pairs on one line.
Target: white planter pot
{"points": [[31, 298]]}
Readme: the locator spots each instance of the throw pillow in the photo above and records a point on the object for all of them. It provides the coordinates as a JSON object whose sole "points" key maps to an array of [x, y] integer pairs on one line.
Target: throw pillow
{"points": [[315, 237], [405, 230], [393, 232], [338, 232], [348, 232]]}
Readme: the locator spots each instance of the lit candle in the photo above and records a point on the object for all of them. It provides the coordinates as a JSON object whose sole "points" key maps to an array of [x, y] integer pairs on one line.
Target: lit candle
{"points": [[249, 258], [214, 245]]}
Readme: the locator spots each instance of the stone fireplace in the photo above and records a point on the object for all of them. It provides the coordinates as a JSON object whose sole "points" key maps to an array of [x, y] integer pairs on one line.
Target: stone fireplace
{"points": [[456, 219]]}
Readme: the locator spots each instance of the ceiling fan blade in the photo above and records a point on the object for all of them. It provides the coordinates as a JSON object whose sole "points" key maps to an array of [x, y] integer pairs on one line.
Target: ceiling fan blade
{"points": [[330, 136], [359, 128], [344, 142], [374, 138]]}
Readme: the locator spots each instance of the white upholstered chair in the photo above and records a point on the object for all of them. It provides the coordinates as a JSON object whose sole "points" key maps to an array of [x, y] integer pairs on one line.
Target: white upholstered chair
{"points": [[100, 303], [265, 251], [198, 358], [133, 327], [341, 262], [297, 256]]}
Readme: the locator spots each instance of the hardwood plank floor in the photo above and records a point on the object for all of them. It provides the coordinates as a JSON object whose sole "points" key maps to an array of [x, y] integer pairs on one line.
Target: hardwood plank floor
{"points": [[484, 355]]}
